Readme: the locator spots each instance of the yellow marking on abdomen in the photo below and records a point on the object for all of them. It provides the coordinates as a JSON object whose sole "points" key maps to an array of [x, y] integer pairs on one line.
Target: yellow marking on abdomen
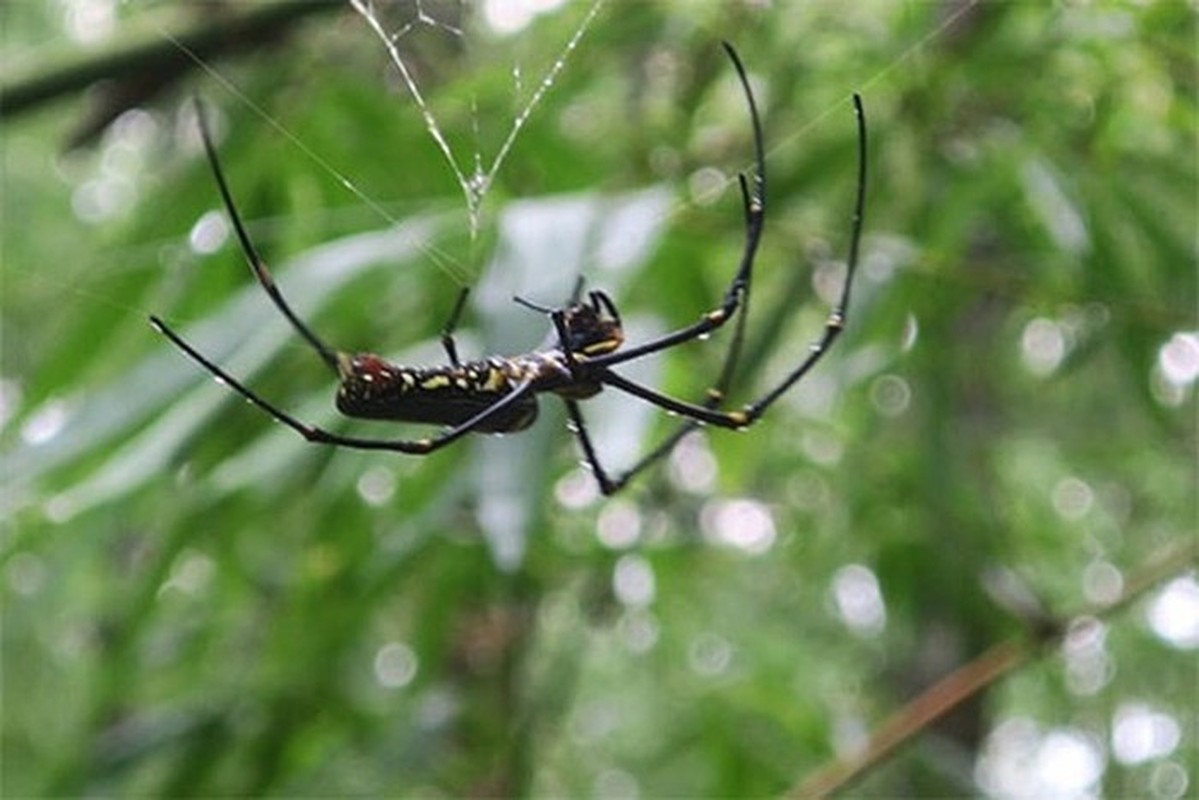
{"points": [[495, 380]]}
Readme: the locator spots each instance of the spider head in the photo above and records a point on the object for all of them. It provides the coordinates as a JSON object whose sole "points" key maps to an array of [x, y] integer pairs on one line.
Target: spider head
{"points": [[593, 327]]}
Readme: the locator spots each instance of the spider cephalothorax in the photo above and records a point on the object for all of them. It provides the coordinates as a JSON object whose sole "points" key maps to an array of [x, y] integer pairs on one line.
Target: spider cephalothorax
{"points": [[592, 328], [499, 394]]}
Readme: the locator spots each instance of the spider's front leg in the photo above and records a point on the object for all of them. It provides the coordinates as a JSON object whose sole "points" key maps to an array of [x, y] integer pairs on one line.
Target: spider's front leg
{"points": [[558, 318], [447, 333], [607, 486], [585, 329]]}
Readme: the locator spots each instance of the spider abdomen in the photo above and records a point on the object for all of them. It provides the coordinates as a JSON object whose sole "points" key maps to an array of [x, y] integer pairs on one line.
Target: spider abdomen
{"points": [[373, 388]]}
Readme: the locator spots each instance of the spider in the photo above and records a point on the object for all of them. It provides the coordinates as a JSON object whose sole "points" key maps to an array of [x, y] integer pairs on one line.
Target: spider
{"points": [[500, 394]]}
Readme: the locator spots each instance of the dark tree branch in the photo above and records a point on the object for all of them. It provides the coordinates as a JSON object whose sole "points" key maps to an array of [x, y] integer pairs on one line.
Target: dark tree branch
{"points": [[140, 66]]}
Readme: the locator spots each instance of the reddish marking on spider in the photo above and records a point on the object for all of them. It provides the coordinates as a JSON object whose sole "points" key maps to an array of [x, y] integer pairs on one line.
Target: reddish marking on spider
{"points": [[365, 364]]}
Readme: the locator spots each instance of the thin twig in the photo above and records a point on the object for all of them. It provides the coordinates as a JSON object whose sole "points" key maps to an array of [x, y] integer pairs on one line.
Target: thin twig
{"points": [[972, 678]]}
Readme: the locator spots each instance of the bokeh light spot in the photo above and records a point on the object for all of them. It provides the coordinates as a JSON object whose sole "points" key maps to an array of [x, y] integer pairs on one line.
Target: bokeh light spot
{"points": [[395, 665], [742, 524], [633, 581], [859, 601], [1042, 346], [1141, 733], [619, 525], [1174, 613]]}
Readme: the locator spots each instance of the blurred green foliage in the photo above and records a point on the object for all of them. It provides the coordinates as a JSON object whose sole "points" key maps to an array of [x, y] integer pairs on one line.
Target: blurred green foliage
{"points": [[198, 602]]}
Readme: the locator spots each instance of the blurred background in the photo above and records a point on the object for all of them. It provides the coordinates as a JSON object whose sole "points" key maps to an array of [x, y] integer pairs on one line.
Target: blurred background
{"points": [[195, 601]]}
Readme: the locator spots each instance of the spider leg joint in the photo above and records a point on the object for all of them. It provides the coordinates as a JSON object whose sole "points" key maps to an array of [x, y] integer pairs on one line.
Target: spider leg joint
{"points": [[740, 419]]}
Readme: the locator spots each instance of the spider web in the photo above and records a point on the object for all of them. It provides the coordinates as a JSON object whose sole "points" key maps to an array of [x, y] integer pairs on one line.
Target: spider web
{"points": [[84, 433], [476, 180]]}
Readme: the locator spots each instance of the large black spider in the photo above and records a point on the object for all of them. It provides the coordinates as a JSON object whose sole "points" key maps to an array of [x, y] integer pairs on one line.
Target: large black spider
{"points": [[499, 394]]}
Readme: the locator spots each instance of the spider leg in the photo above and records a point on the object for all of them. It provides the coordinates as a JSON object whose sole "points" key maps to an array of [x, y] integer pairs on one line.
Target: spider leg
{"points": [[712, 399], [839, 315], [558, 318], [708, 412], [579, 428], [321, 436], [737, 297], [447, 333], [755, 217], [701, 413], [532, 305], [609, 485], [253, 258]]}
